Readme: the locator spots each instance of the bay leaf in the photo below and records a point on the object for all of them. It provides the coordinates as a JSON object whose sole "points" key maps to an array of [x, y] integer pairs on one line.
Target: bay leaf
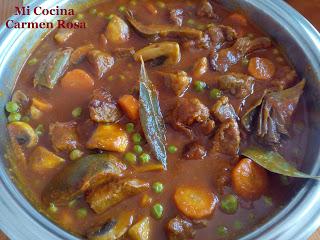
{"points": [[274, 162], [151, 117]]}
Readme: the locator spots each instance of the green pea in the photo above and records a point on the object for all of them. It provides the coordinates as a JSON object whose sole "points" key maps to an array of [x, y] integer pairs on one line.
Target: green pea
{"points": [[157, 211], [133, 2], [267, 201], [157, 187], [75, 154], [109, 17], [129, 127], [14, 117], [191, 21], [172, 149], [32, 61], [144, 158], [77, 112], [222, 231], [82, 213], [229, 204], [131, 158], [122, 8], [238, 225], [110, 78], [93, 11], [100, 14], [52, 208], [161, 4], [12, 107], [39, 130], [136, 138], [215, 93], [137, 149], [80, 16], [199, 86]]}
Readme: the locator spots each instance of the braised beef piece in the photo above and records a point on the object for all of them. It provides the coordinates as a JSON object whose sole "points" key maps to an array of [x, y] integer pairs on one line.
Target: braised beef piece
{"points": [[223, 178], [207, 127], [180, 229], [186, 112], [194, 151], [205, 9], [223, 110], [103, 108], [238, 84], [276, 112], [64, 136], [179, 82], [285, 76], [227, 138], [176, 16], [225, 58], [221, 34], [100, 61]]}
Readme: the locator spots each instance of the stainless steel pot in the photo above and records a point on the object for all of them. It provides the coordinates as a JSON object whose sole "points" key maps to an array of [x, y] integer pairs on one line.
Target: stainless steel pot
{"points": [[298, 220]]}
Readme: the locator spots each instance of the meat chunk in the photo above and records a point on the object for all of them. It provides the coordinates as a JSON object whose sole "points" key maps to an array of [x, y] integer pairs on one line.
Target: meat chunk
{"points": [[221, 34], [205, 9], [237, 84], [64, 136], [187, 112], [285, 76], [179, 82], [176, 16], [223, 110], [200, 67], [194, 151], [124, 52], [207, 127], [102, 198], [225, 58], [103, 108], [223, 177], [180, 229], [227, 138], [100, 61]]}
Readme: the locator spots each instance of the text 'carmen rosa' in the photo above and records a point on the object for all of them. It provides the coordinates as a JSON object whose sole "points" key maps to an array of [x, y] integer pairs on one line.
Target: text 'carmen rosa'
{"points": [[40, 11]]}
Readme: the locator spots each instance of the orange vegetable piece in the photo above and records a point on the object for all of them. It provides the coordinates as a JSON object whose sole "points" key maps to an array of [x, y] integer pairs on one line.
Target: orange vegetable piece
{"points": [[249, 180], [261, 68], [238, 19], [41, 104], [77, 79], [195, 202], [130, 106]]}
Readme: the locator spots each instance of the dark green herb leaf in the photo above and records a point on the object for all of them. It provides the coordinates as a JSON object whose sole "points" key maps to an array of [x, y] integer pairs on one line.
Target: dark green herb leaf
{"points": [[274, 162], [52, 68], [151, 117]]}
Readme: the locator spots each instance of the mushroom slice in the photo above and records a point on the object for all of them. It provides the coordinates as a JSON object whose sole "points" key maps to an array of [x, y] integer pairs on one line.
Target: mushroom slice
{"points": [[117, 30], [141, 230], [170, 50], [163, 30], [77, 177], [114, 228], [20, 98], [23, 134]]}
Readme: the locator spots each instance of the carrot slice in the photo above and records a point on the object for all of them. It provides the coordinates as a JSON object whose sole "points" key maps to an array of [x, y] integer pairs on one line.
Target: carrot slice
{"points": [[237, 19], [261, 68], [249, 180], [77, 79], [130, 105], [195, 202]]}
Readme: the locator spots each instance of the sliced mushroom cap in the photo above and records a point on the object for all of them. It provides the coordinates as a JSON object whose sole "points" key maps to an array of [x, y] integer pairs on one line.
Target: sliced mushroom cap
{"points": [[170, 50], [114, 228], [79, 176], [117, 30], [23, 134], [20, 98]]}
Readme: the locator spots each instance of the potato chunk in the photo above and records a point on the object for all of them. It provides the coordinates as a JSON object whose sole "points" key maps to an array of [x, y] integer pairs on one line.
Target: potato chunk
{"points": [[117, 30], [109, 138], [141, 230], [42, 159]]}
